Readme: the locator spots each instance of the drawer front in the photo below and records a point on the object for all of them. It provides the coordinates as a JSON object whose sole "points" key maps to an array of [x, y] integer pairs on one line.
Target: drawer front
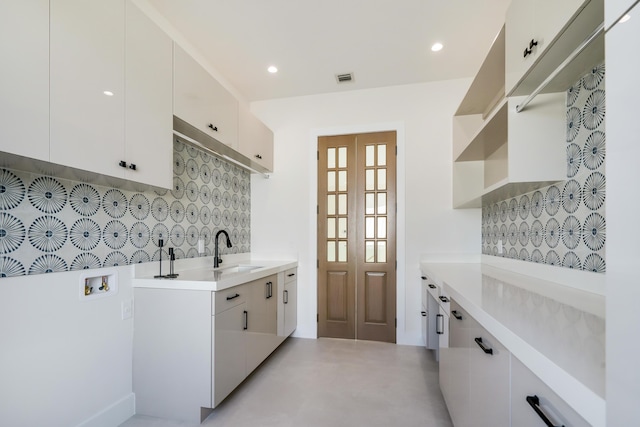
{"points": [[525, 384], [290, 275], [224, 300]]}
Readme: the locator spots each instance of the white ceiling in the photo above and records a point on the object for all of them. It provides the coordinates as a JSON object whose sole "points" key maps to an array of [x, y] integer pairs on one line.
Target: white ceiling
{"points": [[383, 42]]}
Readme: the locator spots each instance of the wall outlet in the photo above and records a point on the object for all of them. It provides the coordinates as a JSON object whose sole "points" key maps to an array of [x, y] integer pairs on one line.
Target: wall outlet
{"points": [[127, 309], [200, 246], [500, 246]]}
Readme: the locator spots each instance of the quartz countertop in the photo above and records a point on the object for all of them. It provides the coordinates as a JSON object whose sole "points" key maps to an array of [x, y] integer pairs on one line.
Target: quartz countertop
{"points": [[557, 331], [207, 278]]}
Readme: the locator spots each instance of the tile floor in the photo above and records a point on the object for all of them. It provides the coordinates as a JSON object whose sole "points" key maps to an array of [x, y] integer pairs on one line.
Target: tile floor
{"points": [[330, 382]]}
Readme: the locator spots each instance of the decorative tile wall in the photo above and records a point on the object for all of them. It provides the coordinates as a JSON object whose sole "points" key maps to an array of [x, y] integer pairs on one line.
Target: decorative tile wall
{"points": [[49, 224], [563, 224]]}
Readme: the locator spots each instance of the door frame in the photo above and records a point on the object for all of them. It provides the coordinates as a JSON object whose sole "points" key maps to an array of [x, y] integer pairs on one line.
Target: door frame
{"points": [[402, 337]]}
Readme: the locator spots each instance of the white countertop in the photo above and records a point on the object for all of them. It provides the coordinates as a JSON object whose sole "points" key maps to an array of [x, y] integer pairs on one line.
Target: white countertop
{"points": [[199, 277], [557, 331]]}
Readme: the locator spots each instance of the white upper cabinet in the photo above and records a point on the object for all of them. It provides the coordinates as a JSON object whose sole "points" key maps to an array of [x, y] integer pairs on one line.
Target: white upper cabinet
{"points": [[148, 101], [202, 102], [615, 9], [24, 86], [255, 139], [87, 63], [541, 34]]}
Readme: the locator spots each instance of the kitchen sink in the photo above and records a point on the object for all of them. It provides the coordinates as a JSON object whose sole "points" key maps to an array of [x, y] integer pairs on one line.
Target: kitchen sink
{"points": [[232, 269]]}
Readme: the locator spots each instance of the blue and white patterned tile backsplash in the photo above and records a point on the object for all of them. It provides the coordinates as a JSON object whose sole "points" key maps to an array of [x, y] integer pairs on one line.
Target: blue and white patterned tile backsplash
{"points": [[49, 224], [563, 224]]}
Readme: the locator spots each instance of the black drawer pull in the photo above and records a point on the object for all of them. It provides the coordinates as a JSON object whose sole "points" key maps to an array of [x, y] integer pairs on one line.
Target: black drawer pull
{"points": [[291, 274], [484, 348], [285, 296], [456, 314], [246, 320], [423, 277], [432, 286], [535, 404], [439, 324], [443, 298], [212, 127], [424, 313], [233, 297]]}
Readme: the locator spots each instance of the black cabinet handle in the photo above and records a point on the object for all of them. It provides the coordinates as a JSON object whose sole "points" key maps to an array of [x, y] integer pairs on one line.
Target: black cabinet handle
{"points": [[258, 156], [122, 164], [439, 324], [233, 297], [266, 290], [132, 166], [424, 313], [423, 277], [246, 320], [528, 51], [484, 348], [285, 297], [443, 298], [456, 314], [432, 286], [291, 274], [534, 401], [212, 127]]}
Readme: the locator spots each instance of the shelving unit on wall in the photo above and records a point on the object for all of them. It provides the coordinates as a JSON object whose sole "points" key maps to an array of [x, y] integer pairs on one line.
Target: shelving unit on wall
{"points": [[497, 152]]}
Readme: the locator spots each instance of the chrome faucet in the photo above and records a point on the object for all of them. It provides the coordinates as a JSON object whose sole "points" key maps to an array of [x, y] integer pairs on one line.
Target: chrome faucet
{"points": [[216, 258]]}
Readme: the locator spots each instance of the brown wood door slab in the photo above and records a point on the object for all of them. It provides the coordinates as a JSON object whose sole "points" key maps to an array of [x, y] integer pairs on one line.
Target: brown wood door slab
{"points": [[356, 236]]}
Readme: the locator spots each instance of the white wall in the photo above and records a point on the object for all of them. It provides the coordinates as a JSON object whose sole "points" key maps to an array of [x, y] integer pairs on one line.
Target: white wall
{"points": [[283, 211], [64, 362]]}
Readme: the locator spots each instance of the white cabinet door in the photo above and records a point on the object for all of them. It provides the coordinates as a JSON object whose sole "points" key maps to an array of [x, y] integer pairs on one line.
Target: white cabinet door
{"points": [[454, 370], [149, 98], [526, 390], [202, 102], [290, 300], [534, 25], [262, 322], [255, 140], [614, 10], [24, 86], [230, 349], [87, 60]]}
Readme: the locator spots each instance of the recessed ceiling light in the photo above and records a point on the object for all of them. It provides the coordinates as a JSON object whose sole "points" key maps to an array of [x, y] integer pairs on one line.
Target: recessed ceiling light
{"points": [[625, 18], [108, 93], [437, 47], [272, 69]]}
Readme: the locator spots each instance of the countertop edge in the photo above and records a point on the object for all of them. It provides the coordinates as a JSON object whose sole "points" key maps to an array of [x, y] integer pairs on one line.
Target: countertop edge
{"points": [[270, 267], [583, 400]]}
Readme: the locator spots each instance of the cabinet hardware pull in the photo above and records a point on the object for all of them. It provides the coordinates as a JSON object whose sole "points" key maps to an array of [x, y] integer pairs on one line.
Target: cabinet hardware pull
{"points": [[432, 286], [439, 324], [484, 348], [246, 320], [258, 156], [212, 127], [233, 297], [456, 314], [528, 51], [285, 296], [291, 274], [122, 164], [443, 298], [534, 402], [424, 313], [423, 277], [132, 166], [266, 291]]}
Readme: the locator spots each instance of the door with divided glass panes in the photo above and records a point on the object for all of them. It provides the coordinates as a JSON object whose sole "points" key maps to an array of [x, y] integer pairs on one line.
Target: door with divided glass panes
{"points": [[357, 236]]}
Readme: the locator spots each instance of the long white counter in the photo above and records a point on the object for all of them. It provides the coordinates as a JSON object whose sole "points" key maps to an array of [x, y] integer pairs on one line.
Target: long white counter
{"points": [[557, 331]]}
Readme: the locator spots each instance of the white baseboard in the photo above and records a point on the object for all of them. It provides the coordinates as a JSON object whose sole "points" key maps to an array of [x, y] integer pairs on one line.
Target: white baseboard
{"points": [[113, 415]]}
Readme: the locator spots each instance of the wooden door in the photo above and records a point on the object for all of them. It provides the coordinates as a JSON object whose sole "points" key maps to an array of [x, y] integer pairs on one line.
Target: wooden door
{"points": [[356, 236]]}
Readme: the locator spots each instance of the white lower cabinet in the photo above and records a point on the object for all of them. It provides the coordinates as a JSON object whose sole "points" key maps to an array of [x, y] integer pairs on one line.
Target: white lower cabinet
{"points": [[474, 373], [192, 348], [288, 303], [528, 392]]}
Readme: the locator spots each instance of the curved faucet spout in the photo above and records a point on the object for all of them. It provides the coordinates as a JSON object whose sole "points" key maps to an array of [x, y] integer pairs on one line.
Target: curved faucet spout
{"points": [[216, 257]]}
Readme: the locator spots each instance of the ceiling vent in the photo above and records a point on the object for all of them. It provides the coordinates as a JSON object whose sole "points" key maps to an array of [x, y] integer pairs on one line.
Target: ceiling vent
{"points": [[344, 78]]}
